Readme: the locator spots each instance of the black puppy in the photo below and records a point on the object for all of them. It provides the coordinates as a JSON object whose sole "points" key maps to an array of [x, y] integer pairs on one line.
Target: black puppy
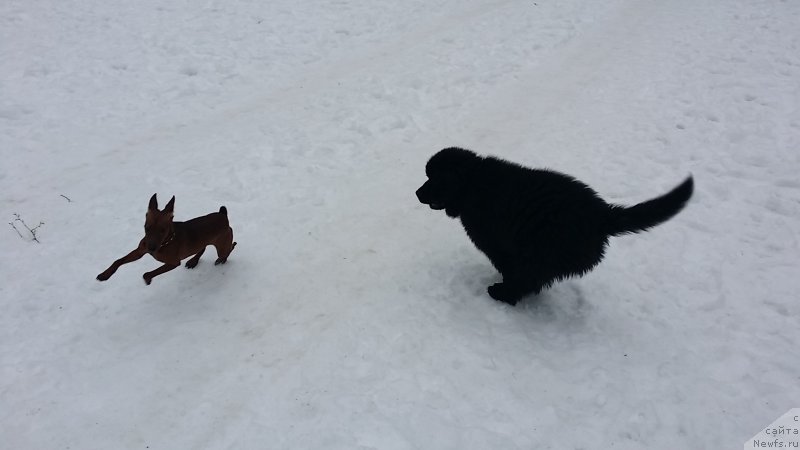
{"points": [[536, 226]]}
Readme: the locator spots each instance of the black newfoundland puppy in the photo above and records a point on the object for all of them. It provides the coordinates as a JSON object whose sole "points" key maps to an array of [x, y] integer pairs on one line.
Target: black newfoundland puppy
{"points": [[536, 226]]}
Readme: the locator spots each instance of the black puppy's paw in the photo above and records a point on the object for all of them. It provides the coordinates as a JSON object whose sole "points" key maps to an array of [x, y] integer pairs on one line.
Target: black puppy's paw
{"points": [[501, 293]]}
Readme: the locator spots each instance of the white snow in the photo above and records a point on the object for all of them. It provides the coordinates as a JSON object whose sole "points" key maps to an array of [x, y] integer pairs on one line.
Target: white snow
{"points": [[349, 315]]}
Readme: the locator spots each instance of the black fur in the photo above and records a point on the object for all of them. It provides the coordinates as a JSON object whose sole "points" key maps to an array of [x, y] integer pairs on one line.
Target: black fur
{"points": [[536, 226]]}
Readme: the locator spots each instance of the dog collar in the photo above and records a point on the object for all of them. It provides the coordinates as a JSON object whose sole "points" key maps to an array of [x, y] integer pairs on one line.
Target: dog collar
{"points": [[169, 239]]}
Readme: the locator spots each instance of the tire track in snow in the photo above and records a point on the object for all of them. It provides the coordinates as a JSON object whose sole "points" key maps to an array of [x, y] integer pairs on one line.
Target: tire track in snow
{"points": [[569, 69], [325, 75]]}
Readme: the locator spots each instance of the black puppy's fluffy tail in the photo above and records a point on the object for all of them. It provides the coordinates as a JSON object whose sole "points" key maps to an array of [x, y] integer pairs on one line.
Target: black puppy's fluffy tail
{"points": [[645, 215]]}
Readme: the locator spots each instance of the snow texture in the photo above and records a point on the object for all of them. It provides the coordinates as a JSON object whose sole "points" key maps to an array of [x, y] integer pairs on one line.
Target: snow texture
{"points": [[350, 316]]}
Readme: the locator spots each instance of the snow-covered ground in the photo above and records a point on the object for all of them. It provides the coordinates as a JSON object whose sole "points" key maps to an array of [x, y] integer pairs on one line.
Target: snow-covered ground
{"points": [[349, 315]]}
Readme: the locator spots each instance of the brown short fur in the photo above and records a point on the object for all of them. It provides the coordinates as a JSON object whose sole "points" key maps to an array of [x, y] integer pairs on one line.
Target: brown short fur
{"points": [[170, 242]]}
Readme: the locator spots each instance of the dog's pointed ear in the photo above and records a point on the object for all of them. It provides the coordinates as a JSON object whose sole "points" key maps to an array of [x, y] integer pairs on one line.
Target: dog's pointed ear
{"points": [[170, 205], [153, 206]]}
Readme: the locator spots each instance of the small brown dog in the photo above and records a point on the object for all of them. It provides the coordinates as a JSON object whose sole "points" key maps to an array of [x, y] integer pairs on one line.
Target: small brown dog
{"points": [[170, 242]]}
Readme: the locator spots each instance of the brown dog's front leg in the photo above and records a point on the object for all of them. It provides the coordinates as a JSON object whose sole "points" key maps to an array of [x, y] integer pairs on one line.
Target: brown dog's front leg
{"points": [[130, 257], [148, 276], [192, 263]]}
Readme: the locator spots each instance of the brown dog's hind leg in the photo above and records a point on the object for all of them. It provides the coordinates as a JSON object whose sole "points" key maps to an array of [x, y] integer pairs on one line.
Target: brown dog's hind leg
{"points": [[192, 263], [224, 246]]}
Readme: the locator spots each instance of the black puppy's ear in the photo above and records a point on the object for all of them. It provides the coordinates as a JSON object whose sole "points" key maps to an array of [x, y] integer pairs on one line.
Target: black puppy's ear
{"points": [[153, 206], [170, 205], [455, 160]]}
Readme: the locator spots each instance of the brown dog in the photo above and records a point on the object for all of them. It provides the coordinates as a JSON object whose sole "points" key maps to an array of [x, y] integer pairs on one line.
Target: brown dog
{"points": [[170, 242]]}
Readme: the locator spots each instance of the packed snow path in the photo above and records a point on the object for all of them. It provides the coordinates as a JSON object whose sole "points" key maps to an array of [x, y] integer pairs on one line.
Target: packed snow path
{"points": [[349, 315]]}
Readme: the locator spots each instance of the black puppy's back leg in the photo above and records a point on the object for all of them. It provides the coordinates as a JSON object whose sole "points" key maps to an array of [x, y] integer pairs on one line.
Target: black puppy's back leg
{"points": [[518, 283], [504, 292]]}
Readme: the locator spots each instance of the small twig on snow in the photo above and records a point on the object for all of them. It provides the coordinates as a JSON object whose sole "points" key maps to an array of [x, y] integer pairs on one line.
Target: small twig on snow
{"points": [[32, 231]]}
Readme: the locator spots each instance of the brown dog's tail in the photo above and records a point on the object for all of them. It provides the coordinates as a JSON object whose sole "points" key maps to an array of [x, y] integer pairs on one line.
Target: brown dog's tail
{"points": [[224, 212], [645, 215]]}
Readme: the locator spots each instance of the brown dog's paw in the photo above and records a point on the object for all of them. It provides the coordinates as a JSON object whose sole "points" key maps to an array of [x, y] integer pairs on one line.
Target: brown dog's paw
{"points": [[103, 276], [147, 279], [191, 264]]}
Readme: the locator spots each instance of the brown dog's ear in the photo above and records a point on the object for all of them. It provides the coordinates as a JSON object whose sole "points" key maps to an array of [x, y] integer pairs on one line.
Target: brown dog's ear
{"points": [[153, 206], [170, 205]]}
